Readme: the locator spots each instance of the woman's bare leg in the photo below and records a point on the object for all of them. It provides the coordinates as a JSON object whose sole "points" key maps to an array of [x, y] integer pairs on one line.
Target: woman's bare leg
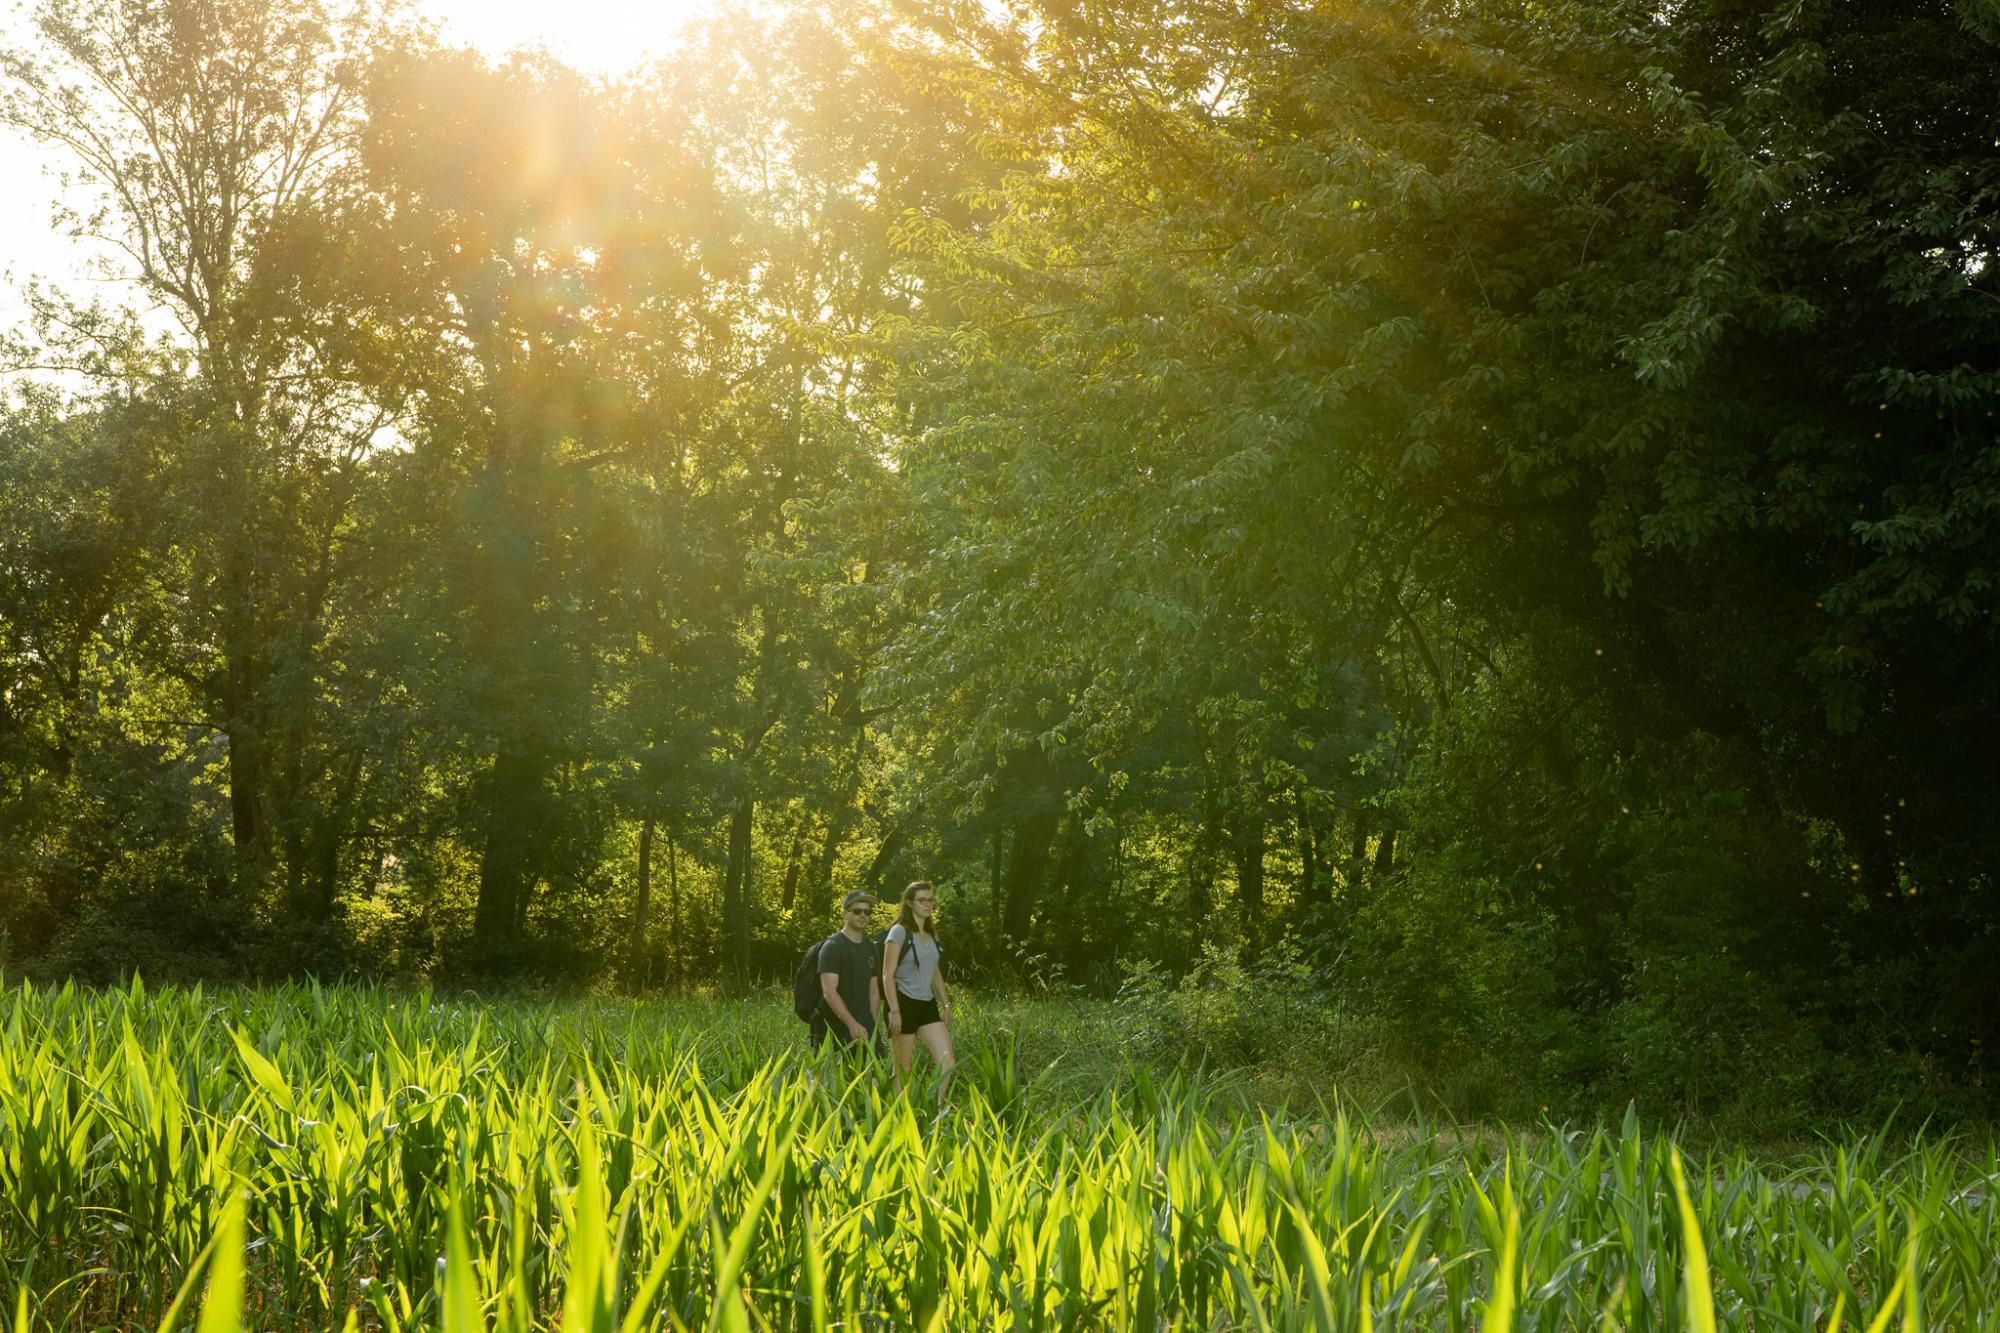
{"points": [[905, 1046], [937, 1040]]}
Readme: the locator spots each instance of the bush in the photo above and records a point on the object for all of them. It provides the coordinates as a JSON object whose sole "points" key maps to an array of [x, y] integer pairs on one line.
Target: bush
{"points": [[1274, 1011]]}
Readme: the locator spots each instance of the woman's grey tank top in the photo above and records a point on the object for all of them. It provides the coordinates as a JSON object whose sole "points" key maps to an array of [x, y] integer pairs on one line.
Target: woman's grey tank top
{"points": [[916, 964]]}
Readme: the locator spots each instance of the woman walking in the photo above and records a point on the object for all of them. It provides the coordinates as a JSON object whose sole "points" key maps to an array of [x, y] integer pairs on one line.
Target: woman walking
{"points": [[919, 1003]]}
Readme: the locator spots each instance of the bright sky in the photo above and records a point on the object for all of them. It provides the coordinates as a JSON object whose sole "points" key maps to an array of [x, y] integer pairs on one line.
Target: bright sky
{"points": [[605, 36]]}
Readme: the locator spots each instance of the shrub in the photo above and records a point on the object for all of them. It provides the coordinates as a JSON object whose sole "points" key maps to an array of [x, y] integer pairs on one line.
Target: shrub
{"points": [[1274, 1010]]}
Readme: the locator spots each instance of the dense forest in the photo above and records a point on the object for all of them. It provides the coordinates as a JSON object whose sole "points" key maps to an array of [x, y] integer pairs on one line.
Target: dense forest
{"points": [[1486, 511]]}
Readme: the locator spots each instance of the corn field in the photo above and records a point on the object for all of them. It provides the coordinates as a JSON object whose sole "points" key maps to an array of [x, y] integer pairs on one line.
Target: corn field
{"points": [[320, 1158]]}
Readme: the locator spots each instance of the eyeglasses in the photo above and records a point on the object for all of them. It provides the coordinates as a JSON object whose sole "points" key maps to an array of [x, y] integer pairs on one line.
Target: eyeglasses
{"points": [[925, 898]]}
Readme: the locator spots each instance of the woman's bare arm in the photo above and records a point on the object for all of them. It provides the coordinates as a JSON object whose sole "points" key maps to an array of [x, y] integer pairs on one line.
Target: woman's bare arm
{"points": [[891, 951]]}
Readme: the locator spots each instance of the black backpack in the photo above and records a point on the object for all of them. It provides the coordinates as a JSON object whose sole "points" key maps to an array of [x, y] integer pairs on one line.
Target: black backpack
{"points": [[807, 1000], [805, 984]]}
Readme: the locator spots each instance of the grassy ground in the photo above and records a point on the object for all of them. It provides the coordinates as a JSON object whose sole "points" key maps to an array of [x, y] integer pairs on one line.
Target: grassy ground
{"points": [[307, 1158]]}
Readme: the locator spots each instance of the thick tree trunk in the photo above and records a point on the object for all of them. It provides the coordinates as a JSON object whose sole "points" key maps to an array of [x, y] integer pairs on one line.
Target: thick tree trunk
{"points": [[240, 675], [329, 836], [504, 864], [1357, 847], [795, 860], [1385, 853], [327, 867], [1026, 873], [313, 830], [246, 768], [736, 897], [885, 855], [1073, 877], [59, 754], [1073, 870], [820, 886]]}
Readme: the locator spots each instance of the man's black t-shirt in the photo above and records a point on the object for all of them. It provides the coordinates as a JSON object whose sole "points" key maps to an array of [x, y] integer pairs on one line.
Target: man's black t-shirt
{"points": [[856, 963]]}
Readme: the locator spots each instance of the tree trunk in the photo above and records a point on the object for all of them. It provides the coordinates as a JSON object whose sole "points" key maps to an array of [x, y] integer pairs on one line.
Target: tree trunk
{"points": [[1196, 861], [795, 860], [1072, 878], [885, 855], [996, 891], [239, 646], [329, 836], [820, 886], [1308, 850], [1385, 853], [294, 842], [674, 905], [635, 965], [1210, 846], [736, 897], [1357, 847], [1250, 871], [1072, 862], [246, 769], [504, 866], [1033, 836], [1118, 862]]}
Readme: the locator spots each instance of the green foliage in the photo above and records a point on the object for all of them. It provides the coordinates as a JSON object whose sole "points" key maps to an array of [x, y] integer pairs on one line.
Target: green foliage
{"points": [[1225, 1013], [1501, 495], [294, 1158], [1489, 349]]}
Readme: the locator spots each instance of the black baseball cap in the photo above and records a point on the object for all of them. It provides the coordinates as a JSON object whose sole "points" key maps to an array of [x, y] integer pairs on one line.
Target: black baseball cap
{"points": [[856, 896]]}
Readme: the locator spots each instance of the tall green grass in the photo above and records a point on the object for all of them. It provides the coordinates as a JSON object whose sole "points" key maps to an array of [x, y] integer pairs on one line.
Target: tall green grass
{"points": [[311, 1158]]}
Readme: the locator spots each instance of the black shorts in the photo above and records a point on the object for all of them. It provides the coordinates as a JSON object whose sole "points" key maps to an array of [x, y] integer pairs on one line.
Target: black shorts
{"points": [[832, 1030], [917, 1014]]}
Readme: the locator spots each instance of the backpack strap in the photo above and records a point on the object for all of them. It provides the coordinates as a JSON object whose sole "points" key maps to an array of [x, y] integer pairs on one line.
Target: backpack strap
{"points": [[908, 948]]}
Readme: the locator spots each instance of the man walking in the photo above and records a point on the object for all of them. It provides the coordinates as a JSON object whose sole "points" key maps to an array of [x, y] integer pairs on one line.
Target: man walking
{"points": [[848, 967]]}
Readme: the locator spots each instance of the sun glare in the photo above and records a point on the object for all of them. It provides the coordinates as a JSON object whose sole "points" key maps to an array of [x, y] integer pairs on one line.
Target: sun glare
{"points": [[599, 36], [602, 37]]}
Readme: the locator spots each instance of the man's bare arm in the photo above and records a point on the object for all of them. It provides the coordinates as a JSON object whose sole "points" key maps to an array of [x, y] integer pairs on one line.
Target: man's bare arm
{"points": [[829, 988]]}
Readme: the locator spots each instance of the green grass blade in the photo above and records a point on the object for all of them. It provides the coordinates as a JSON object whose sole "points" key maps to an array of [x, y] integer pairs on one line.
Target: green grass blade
{"points": [[222, 1307], [1698, 1286]]}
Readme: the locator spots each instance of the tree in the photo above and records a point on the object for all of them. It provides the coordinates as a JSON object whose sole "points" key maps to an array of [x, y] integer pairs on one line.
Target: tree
{"points": [[813, 155], [213, 138], [504, 185], [1480, 338]]}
